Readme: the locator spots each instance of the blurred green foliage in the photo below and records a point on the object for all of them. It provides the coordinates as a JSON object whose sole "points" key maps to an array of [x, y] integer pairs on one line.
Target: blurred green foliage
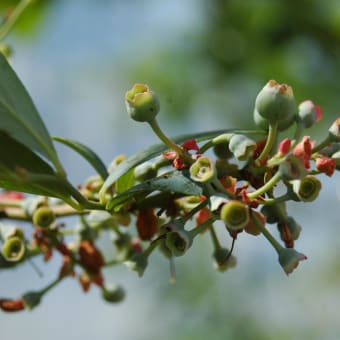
{"points": [[240, 46], [31, 19]]}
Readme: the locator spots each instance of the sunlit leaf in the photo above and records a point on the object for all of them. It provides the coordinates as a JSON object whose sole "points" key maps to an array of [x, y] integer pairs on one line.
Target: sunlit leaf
{"points": [[19, 117]]}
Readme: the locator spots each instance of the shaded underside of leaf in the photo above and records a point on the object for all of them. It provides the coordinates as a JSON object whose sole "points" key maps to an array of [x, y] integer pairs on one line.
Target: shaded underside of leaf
{"points": [[23, 170], [156, 149], [175, 182], [19, 117]]}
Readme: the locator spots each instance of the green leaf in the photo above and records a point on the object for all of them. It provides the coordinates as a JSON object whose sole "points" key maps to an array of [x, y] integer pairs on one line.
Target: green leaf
{"points": [[23, 170], [125, 182], [19, 117], [174, 181], [157, 149], [87, 153]]}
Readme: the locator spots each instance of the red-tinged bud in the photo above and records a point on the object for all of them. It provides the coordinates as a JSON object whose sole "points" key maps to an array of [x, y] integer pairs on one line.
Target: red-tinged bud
{"points": [[203, 216], [11, 195], [309, 113], [147, 224], [326, 165], [8, 305], [303, 150], [284, 146], [190, 144]]}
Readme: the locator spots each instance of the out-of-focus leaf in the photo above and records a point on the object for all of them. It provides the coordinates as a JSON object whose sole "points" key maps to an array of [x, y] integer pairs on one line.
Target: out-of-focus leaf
{"points": [[87, 153], [156, 149], [172, 182], [125, 182], [19, 117], [31, 18], [23, 170]]}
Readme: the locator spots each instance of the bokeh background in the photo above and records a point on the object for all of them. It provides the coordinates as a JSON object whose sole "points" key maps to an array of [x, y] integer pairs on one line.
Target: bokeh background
{"points": [[207, 60]]}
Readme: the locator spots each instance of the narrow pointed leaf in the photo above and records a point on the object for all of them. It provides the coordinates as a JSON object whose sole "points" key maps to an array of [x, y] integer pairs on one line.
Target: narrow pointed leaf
{"points": [[171, 182], [87, 153], [23, 170], [157, 149], [19, 118]]}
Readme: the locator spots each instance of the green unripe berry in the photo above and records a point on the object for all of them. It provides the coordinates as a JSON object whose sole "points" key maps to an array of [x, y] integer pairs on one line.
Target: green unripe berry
{"points": [[275, 102], [203, 170], [113, 294], [178, 242], [13, 250], [307, 189], [141, 103], [43, 217], [235, 215], [264, 123]]}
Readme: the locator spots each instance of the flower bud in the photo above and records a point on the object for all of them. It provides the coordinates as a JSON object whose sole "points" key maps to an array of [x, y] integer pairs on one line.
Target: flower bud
{"points": [[294, 227], [334, 131], [203, 170], [43, 217], [141, 103], [235, 215], [242, 147], [326, 165], [113, 293], [289, 259], [178, 241], [13, 249], [307, 189], [137, 263], [309, 113], [223, 259], [275, 102], [292, 168], [145, 171], [264, 123], [251, 227], [274, 213], [32, 299]]}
